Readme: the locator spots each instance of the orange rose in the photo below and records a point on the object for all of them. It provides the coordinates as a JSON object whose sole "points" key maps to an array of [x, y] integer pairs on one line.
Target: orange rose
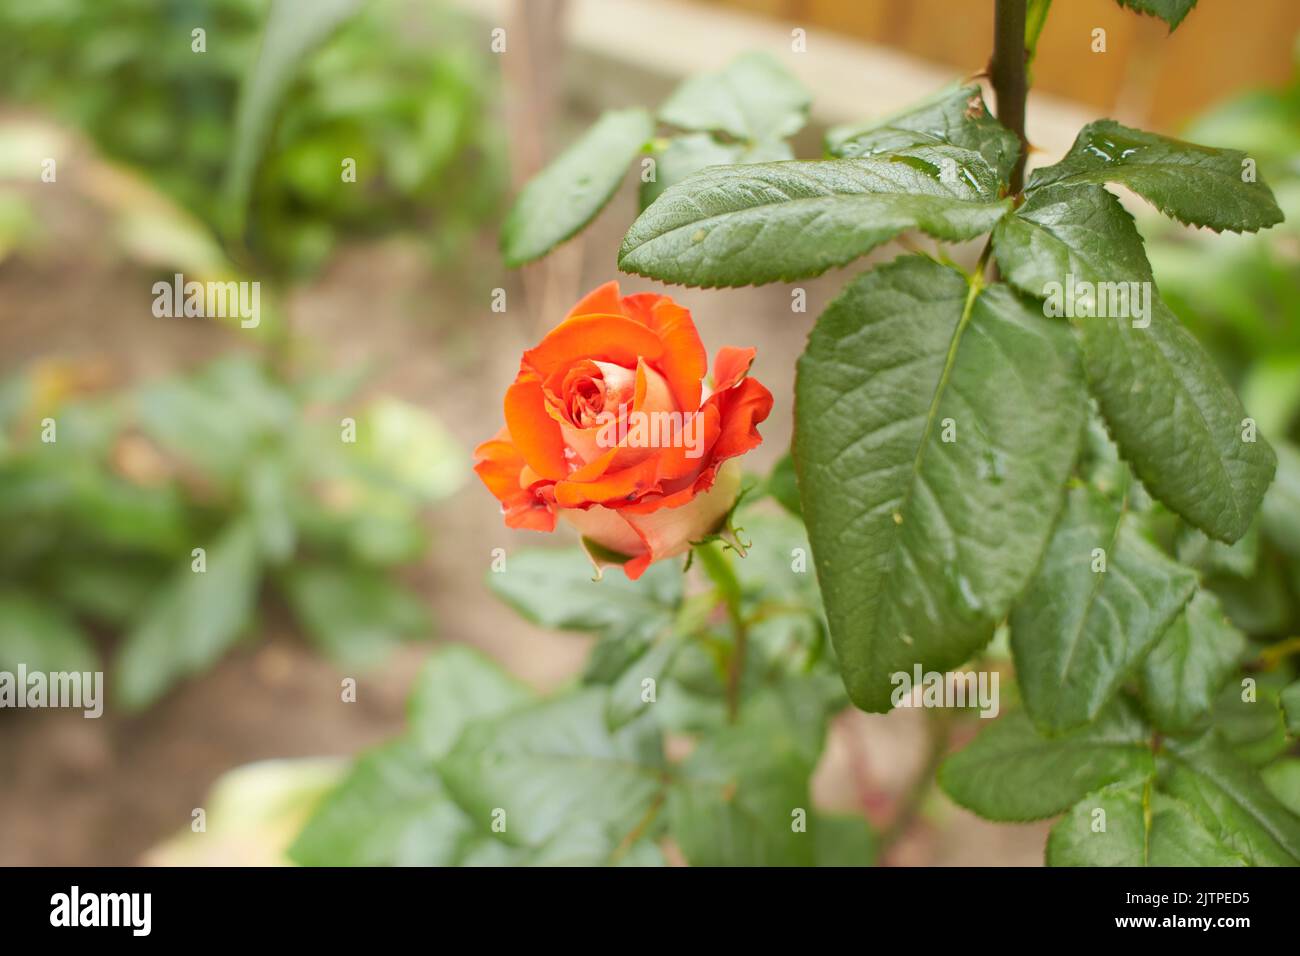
{"points": [[610, 425]]}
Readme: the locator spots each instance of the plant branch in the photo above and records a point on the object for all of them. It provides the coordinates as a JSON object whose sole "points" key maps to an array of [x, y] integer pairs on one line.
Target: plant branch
{"points": [[1009, 74], [719, 570]]}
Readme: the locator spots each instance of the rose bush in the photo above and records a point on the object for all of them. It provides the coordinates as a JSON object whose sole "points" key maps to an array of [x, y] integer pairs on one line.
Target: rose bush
{"points": [[610, 424]]}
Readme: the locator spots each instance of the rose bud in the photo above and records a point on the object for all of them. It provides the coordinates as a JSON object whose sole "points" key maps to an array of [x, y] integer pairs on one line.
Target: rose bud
{"points": [[610, 425]]}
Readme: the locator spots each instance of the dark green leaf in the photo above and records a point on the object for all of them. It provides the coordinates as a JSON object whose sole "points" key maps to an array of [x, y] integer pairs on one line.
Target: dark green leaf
{"points": [[1282, 777], [1061, 231], [920, 543], [1252, 725], [553, 763], [568, 193], [682, 155], [1010, 772], [745, 225], [1079, 632], [1194, 184], [1177, 421], [957, 117], [1142, 827], [754, 98], [1190, 663]]}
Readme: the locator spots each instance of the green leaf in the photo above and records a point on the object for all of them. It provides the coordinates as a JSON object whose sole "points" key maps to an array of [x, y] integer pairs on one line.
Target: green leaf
{"points": [[754, 99], [294, 29], [554, 589], [193, 620], [680, 156], [1230, 799], [551, 763], [1062, 231], [1079, 631], [1280, 511], [1142, 827], [1290, 698], [843, 841], [560, 200], [746, 225], [1177, 421], [626, 693], [735, 800], [920, 543], [41, 637], [1171, 11], [390, 810], [1194, 184], [1252, 726], [356, 614], [955, 116], [1010, 772], [782, 485], [1184, 672], [458, 685], [1282, 777]]}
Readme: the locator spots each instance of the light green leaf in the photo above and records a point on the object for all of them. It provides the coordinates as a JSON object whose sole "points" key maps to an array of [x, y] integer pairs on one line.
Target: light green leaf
{"points": [[1194, 184], [1254, 728], [734, 801], [1010, 772], [560, 200], [955, 116], [1182, 675], [549, 764], [193, 620], [1171, 11], [1177, 421], [41, 637], [920, 543], [1230, 799], [356, 614], [754, 99], [1142, 827], [458, 685], [1079, 631], [294, 28], [782, 485], [554, 589], [746, 225], [389, 810]]}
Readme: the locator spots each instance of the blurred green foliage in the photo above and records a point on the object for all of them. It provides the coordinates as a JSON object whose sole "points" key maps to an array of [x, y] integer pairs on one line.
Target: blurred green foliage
{"points": [[105, 499], [397, 89]]}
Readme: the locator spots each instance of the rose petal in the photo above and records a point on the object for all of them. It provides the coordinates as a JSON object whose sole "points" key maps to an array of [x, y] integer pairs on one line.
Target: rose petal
{"points": [[532, 429]]}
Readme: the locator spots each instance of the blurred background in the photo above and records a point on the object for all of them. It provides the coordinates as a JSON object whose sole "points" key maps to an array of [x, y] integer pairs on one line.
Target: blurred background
{"points": [[128, 154]]}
